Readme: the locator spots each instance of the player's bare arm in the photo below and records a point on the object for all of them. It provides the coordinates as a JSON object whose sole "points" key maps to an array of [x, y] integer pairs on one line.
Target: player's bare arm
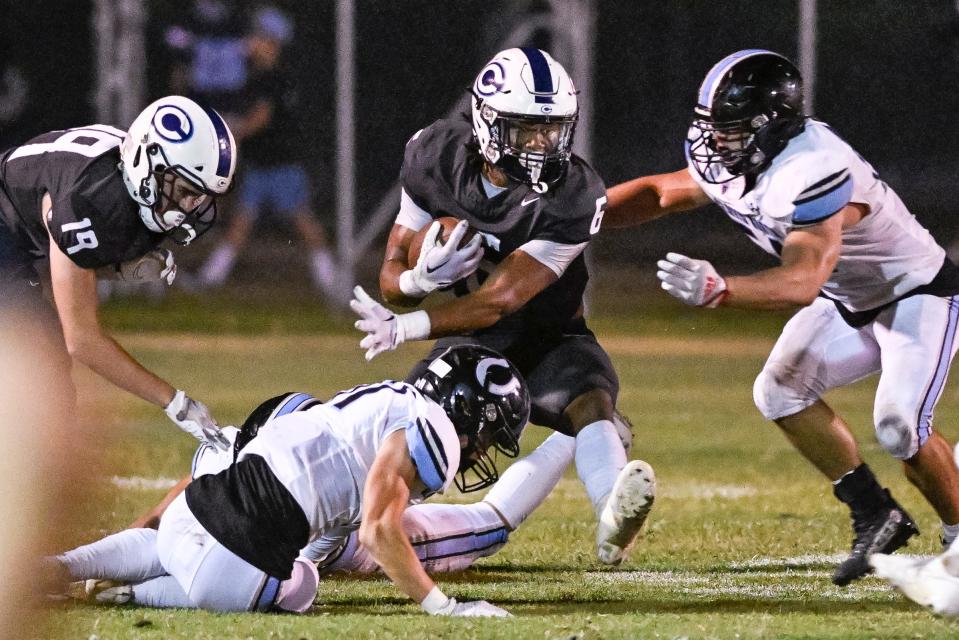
{"points": [[808, 258], [75, 293], [516, 280], [649, 197], [386, 496], [395, 262]]}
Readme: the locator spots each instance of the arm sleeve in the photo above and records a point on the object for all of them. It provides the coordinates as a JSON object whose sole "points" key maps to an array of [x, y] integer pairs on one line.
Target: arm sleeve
{"points": [[555, 255], [411, 215]]}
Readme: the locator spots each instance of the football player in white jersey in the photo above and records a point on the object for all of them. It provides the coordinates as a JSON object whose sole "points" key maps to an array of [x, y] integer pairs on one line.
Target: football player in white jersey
{"points": [[877, 292], [231, 540]]}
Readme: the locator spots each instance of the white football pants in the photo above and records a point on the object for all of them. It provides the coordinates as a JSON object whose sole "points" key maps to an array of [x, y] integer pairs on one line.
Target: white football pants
{"points": [[911, 343]]}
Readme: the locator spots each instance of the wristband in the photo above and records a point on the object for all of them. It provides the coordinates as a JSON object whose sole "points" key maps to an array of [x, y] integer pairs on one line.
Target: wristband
{"points": [[412, 326], [436, 602], [409, 287]]}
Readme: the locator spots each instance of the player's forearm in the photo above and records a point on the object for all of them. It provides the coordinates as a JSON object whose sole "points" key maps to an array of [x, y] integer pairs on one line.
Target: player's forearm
{"points": [[388, 545], [774, 289], [649, 197], [477, 310], [390, 284], [106, 357]]}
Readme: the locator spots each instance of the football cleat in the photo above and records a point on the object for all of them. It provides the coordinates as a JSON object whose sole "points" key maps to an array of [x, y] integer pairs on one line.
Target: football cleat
{"points": [[925, 581], [625, 512], [880, 531], [105, 591]]}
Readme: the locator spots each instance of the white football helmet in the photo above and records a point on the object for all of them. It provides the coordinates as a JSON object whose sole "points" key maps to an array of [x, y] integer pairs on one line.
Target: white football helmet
{"points": [[524, 115], [176, 136]]}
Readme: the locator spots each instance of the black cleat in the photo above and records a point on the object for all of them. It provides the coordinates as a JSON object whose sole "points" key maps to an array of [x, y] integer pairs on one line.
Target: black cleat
{"points": [[881, 531]]}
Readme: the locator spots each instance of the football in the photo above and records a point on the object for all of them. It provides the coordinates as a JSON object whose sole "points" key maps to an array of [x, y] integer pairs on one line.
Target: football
{"points": [[448, 223]]}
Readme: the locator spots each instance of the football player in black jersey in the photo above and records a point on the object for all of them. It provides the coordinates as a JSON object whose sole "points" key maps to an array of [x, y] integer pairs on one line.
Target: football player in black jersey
{"points": [[511, 175], [95, 200]]}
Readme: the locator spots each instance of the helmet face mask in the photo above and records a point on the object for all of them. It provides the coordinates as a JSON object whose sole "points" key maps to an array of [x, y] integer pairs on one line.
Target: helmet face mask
{"points": [[486, 399], [174, 143], [749, 107], [524, 113]]}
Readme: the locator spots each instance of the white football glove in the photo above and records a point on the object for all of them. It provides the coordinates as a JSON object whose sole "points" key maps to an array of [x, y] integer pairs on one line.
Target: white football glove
{"points": [[194, 418], [695, 282], [474, 609], [385, 330], [440, 265], [154, 265]]}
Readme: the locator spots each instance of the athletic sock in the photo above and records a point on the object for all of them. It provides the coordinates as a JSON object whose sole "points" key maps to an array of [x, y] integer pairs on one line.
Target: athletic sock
{"points": [[599, 459], [161, 592], [860, 490], [527, 482], [127, 556], [218, 265]]}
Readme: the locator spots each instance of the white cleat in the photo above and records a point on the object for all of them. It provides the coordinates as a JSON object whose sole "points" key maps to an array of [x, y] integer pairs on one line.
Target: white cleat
{"points": [[925, 581], [625, 512], [102, 591]]}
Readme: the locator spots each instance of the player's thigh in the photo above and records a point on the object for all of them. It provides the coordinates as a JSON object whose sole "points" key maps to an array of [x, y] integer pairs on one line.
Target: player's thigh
{"points": [[917, 339], [212, 576], [568, 368], [818, 351]]}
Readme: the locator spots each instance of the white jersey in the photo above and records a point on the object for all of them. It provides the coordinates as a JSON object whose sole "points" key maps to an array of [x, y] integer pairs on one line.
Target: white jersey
{"points": [[883, 257], [323, 454]]}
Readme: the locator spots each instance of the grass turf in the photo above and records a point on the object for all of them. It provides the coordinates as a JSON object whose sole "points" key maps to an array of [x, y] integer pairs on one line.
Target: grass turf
{"points": [[740, 544]]}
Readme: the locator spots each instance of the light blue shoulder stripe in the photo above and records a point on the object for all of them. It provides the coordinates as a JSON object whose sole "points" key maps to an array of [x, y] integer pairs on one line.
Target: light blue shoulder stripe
{"points": [[426, 451], [825, 205]]}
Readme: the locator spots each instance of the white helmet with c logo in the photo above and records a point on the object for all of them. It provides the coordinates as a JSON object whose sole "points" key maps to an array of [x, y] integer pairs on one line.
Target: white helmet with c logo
{"points": [[177, 136]]}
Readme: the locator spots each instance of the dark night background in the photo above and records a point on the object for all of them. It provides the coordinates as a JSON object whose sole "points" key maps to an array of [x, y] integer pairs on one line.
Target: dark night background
{"points": [[887, 81]]}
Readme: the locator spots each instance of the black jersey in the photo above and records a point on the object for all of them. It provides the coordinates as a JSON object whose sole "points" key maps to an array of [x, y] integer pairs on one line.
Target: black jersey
{"points": [[93, 220], [441, 174]]}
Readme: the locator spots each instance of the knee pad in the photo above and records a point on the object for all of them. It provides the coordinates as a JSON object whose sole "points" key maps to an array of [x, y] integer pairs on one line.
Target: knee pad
{"points": [[780, 391], [896, 432], [299, 591]]}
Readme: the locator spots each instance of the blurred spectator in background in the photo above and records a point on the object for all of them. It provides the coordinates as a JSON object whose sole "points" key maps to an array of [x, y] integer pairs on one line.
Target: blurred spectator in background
{"points": [[210, 57], [274, 177]]}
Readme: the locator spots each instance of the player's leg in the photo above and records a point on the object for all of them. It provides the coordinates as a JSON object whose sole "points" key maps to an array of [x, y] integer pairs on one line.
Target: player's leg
{"points": [[918, 341], [818, 351], [581, 401], [127, 556], [216, 579], [451, 537]]}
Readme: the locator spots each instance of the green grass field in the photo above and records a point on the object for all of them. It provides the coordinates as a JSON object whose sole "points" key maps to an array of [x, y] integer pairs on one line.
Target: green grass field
{"points": [[740, 544]]}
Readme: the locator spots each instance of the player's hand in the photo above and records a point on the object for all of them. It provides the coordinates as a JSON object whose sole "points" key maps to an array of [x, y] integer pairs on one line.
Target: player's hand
{"points": [[478, 609], [442, 264], [695, 282], [154, 265], [194, 418], [377, 321]]}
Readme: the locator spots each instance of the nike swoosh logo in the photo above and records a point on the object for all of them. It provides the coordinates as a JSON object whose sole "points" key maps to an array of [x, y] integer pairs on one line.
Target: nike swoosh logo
{"points": [[431, 270], [526, 202]]}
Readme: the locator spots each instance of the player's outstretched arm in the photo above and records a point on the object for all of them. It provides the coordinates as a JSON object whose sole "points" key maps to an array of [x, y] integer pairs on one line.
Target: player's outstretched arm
{"points": [[386, 496], [75, 294], [643, 199]]}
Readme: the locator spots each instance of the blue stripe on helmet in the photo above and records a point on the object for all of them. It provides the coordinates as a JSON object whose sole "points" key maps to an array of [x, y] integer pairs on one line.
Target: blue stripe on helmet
{"points": [[719, 70], [222, 143], [542, 78]]}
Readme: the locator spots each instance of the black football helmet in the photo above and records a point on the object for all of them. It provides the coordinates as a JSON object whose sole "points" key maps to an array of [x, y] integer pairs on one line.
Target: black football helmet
{"points": [[750, 105], [487, 401]]}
